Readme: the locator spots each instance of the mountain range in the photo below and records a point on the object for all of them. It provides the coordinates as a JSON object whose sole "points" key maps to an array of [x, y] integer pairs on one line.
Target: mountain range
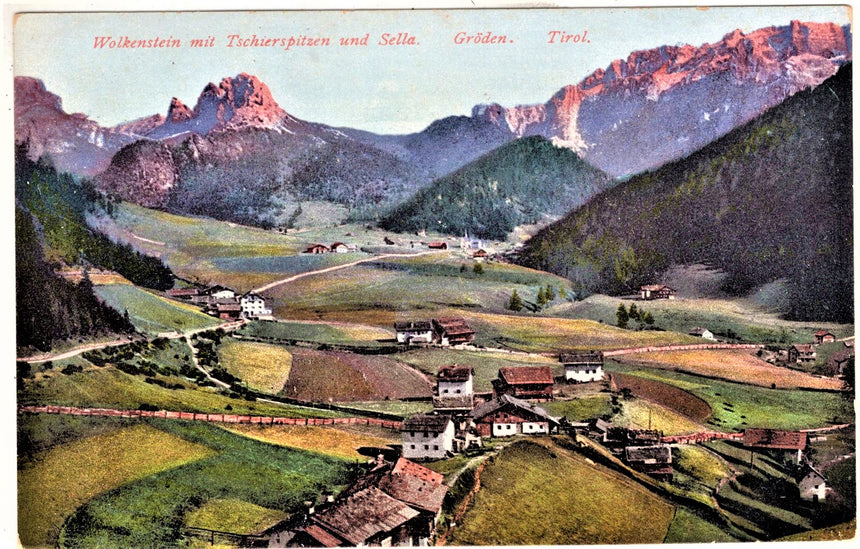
{"points": [[636, 114]]}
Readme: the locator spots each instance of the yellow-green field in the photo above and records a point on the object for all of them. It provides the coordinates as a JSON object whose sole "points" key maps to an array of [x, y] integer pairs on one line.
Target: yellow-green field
{"points": [[741, 366], [152, 313], [68, 476], [643, 414], [325, 440], [535, 495], [262, 366], [233, 515]]}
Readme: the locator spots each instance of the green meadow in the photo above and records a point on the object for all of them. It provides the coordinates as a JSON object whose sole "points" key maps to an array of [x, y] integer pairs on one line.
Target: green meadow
{"points": [[153, 314]]}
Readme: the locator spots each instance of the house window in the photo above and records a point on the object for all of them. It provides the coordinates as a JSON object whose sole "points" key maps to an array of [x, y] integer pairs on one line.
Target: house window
{"points": [[426, 446], [412, 446], [435, 446], [458, 391], [412, 434]]}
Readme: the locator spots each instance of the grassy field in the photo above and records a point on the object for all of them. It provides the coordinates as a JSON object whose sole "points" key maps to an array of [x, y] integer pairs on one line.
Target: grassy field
{"points": [[153, 314], [700, 464], [737, 406], [741, 366], [111, 388], [151, 511], [67, 476], [535, 495], [679, 400], [333, 333], [687, 527], [400, 408], [231, 515], [643, 414], [740, 318], [580, 409], [840, 532], [336, 376], [263, 367], [325, 440]]}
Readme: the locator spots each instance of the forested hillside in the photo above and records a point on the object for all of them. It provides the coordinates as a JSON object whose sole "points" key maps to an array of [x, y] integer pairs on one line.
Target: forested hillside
{"points": [[771, 200], [518, 183]]}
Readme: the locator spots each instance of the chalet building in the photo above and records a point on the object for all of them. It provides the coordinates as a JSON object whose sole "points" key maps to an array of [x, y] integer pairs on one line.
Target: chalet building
{"points": [[218, 292], [704, 333], [339, 248], [801, 353], [823, 336], [184, 294], [654, 461], [480, 254], [656, 291], [428, 436], [395, 504], [317, 249], [775, 439], [254, 305], [532, 382], [508, 416], [454, 389], [438, 245], [414, 331], [452, 331], [582, 367], [811, 483], [224, 308]]}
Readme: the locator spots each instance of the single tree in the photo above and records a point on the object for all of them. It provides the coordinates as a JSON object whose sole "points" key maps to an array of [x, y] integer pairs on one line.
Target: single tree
{"points": [[634, 313], [541, 297], [621, 316], [549, 293], [647, 318], [516, 302], [478, 269]]}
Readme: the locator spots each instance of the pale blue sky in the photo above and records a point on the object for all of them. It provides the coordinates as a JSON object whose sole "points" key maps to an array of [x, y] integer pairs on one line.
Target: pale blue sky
{"points": [[387, 89]]}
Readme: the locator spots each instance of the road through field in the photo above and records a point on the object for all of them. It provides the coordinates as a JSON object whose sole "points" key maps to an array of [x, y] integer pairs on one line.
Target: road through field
{"points": [[287, 280]]}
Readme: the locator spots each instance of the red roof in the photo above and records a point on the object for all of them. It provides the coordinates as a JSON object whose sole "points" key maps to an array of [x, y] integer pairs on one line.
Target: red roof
{"points": [[526, 375], [183, 291], [774, 438], [822, 333], [406, 467], [320, 535]]}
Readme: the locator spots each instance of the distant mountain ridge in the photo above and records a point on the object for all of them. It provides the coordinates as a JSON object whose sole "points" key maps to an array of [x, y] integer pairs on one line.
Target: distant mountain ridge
{"points": [[656, 106], [772, 200]]}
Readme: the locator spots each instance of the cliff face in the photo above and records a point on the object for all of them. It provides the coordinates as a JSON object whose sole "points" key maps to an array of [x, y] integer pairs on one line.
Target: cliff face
{"points": [[661, 104]]}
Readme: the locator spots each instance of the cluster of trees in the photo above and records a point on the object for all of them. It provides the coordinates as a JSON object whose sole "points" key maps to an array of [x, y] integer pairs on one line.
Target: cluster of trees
{"points": [[545, 294], [771, 200], [518, 183], [624, 316]]}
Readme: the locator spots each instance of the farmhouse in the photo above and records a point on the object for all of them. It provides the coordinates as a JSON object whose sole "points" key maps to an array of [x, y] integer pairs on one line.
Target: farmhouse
{"points": [[224, 308], [811, 483], [704, 333], [775, 439], [656, 291], [339, 248], [823, 336], [427, 436], [480, 254], [801, 353], [655, 461], [185, 294], [507, 416], [417, 331], [454, 389], [254, 305], [533, 382], [438, 245], [582, 367], [219, 292], [452, 331], [317, 249]]}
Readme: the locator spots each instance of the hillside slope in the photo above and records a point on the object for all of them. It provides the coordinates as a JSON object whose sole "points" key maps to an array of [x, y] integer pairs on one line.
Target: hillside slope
{"points": [[518, 183], [771, 200]]}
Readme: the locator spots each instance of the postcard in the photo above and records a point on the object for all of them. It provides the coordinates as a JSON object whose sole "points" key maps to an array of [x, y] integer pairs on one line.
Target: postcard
{"points": [[462, 275]]}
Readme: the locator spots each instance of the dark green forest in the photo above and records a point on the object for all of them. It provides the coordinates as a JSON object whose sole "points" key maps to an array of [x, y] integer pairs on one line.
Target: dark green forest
{"points": [[518, 183], [771, 200]]}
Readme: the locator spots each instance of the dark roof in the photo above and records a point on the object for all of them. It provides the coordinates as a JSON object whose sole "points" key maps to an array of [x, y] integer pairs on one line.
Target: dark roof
{"points": [[804, 348], [453, 402], [324, 538], [183, 291], [413, 326], [426, 422], [660, 454], [774, 438], [581, 358], [362, 515], [229, 306], [455, 373], [521, 375], [697, 331], [453, 326], [504, 401]]}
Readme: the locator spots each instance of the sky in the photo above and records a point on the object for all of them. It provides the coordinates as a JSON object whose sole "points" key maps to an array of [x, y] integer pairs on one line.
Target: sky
{"points": [[380, 88]]}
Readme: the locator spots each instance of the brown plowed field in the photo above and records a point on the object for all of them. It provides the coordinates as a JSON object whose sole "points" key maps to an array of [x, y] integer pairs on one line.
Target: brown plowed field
{"points": [[671, 397], [328, 376]]}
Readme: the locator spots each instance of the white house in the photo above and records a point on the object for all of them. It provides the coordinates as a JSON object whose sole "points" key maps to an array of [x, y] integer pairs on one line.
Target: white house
{"points": [[419, 331], [704, 333], [582, 367], [812, 484], [220, 292], [454, 380], [427, 436], [254, 306], [508, 416]]}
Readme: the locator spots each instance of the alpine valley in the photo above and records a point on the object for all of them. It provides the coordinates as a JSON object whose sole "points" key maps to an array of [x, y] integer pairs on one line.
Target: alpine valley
{"points": [[631, 304]]}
